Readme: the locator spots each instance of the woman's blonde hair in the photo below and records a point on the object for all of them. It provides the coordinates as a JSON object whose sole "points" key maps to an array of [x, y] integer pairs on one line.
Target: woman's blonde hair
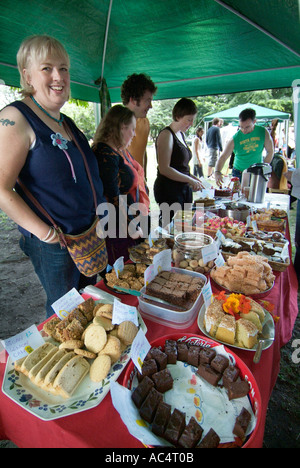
{"points": [[110, 126], [35, 49]]}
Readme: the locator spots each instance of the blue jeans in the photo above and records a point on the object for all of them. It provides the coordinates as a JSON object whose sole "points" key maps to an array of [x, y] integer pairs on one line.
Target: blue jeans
{"points": [[237, 173], [55, 269]]}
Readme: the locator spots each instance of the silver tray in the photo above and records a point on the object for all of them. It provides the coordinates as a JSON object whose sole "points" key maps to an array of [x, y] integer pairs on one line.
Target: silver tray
{"points": [[268, 331]]}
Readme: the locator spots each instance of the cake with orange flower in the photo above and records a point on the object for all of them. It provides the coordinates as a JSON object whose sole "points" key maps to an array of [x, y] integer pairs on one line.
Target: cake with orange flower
{"points": [[234, 319]]}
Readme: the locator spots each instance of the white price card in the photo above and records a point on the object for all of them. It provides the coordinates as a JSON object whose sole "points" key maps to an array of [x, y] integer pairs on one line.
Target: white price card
{"points": [[209, 252], [219, 261], [123, 313], [63, 306], [207, 293], [23, 343], [139, 349], [163, 260], [119, 266], [150, 274]]}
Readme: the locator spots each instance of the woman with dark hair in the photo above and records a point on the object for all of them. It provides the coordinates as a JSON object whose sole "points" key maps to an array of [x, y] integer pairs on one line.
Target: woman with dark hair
{"points": [[123, 179], [174, 182]]}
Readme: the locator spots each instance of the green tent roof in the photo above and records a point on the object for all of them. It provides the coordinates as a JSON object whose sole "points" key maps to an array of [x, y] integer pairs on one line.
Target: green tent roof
{"points": [[189, 48], [262, 113]]}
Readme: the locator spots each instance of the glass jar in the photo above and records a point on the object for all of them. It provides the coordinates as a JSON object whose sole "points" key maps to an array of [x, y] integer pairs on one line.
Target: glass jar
{"points": [[187, 251]]}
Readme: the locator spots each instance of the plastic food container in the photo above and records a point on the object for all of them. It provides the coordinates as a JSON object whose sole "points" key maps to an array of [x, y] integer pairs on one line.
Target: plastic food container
{"points": [[167, 316], [188, 251]]}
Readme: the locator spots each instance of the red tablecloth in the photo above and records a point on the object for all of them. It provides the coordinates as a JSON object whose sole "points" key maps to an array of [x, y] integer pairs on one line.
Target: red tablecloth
{"points": [[102, 426]]}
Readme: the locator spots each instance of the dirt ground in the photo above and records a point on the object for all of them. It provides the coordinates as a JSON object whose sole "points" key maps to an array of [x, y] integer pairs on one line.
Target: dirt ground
{"points": [[22, 304]]}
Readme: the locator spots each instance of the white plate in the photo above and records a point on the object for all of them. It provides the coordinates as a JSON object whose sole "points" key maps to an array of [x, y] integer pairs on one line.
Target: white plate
{"points": [[268, 331], [46, 406]]}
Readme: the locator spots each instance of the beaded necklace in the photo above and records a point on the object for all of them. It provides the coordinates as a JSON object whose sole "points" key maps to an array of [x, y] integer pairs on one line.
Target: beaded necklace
{"points": [[59, 121]]}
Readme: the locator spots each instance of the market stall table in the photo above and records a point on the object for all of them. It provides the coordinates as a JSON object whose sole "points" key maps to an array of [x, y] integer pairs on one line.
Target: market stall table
{"points": [[102, 426]]}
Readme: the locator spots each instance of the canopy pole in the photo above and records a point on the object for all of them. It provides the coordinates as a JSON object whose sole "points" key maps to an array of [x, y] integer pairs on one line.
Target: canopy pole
{"points": [[104, 96], [255, 25], [105, 38], [296, 105]]}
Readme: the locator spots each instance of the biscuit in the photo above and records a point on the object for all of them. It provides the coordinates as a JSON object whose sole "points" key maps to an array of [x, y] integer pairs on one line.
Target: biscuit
{"points": [[71, 344], [127, 332], [103, 310], [85, 353], [95, 338], [112, 348], [100, 368], [104, 322]]}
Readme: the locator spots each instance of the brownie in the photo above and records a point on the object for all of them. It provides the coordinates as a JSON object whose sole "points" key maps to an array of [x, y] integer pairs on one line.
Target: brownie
{"points": [[149, 367], [141, 391], [175, 427], [241, 424], [171, 351], [209, 374], [211, 440], [163, 380], [193, 355], [160, 358], [238, 389], [230, 375], [207, 355], [150, 404], [220, 363], [191, 434], [182, 352], [161, 418]]}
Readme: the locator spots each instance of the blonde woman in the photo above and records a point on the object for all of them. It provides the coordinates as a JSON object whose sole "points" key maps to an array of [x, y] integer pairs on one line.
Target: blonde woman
{"points": [[36, 148]]}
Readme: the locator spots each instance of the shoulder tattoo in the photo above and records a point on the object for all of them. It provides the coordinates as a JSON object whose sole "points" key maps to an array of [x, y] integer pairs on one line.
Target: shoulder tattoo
{"points": [[6, 122]]}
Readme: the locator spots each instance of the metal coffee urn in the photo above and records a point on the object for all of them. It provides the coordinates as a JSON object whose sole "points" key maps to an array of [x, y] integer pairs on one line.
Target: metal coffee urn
{"points": [[259, 177]]}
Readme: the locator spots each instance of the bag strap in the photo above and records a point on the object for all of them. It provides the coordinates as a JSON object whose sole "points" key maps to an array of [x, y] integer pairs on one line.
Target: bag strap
{"points": [[60, 234], [71, 135]]}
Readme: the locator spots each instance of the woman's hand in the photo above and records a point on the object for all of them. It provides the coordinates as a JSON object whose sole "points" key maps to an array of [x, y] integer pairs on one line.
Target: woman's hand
{"points": [[195, 184]]}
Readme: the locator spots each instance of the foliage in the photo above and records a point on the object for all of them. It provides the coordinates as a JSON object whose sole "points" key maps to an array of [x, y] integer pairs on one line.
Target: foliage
{"points": [[161, 114], [278, 99]]}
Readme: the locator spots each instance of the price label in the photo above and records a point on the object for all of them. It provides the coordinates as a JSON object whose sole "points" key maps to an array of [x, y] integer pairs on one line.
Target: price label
{"points": [[23, 343], [123, 313], [139, 349], [63, 306], [119, 266]]}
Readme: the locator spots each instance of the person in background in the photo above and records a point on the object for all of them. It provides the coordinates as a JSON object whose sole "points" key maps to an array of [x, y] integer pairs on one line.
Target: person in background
{"points": [[174, 182], [214, 144], [121, 175], [36, 148], [247, 144], [198, 153], [293, 176], [137, 93]]}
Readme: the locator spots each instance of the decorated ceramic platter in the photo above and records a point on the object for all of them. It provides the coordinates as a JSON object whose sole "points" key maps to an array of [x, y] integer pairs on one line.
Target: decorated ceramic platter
{"points": [[190, 393], [268, 331], [47, 406]]}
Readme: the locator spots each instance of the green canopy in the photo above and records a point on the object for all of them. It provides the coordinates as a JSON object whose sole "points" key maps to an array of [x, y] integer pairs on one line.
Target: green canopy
{"points": [[262, 113], [189, 48]]}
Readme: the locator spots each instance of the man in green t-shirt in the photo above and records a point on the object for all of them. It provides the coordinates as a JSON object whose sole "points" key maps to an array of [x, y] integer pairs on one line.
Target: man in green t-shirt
{"points": [[247, 145]]}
